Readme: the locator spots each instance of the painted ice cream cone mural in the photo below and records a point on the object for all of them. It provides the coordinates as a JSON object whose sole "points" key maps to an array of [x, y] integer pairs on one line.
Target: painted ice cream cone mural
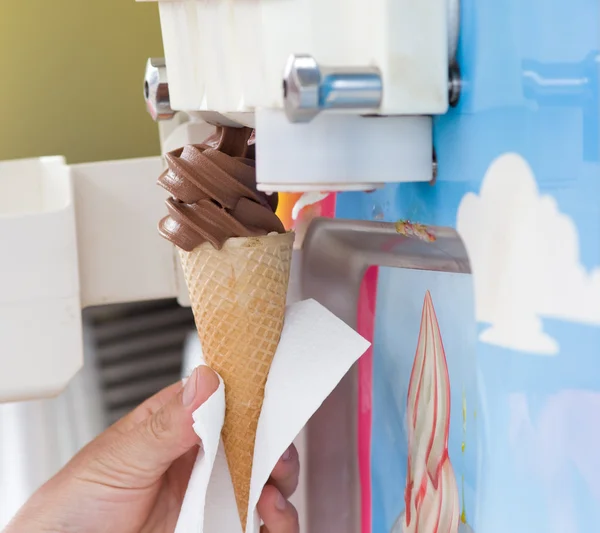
{"points": [[431, 493]]}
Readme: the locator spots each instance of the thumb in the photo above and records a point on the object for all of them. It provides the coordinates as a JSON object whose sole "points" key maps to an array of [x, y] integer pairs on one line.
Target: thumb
{"points": [[140, 454]]}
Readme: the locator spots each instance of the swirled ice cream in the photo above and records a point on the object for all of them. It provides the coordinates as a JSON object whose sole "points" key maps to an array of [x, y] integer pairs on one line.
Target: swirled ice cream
{"points": [[214, 196], [431, 494]]}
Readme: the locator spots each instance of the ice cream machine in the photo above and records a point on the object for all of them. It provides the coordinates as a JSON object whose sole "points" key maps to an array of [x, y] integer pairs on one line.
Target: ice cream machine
{"points": [[367, 75], [439, 163]]}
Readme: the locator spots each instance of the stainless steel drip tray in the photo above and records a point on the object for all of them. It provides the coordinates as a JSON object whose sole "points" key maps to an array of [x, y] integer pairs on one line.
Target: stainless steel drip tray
{"points": [[335, 255]]}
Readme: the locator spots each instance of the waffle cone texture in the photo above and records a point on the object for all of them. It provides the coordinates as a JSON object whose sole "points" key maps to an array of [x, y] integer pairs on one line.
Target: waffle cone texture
{"points": [[238, 297]]}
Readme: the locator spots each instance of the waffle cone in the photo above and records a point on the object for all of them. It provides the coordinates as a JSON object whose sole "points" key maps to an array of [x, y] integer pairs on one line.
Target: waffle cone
{"points": [[238, 297]]}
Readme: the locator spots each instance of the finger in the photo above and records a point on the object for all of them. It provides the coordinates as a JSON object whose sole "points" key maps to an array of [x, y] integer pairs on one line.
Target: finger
{"points": [[138, 457], [279, 515], [178, 475], [148, 407], [286, 473]]}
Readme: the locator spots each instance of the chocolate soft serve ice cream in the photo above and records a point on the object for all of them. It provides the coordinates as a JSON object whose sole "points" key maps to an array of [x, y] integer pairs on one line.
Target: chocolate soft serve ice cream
{"points": [[214, 194], [236, 258]]}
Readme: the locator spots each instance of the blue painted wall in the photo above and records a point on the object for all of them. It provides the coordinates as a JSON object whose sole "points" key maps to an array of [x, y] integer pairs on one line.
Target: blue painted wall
{"points": [[530, 71]]}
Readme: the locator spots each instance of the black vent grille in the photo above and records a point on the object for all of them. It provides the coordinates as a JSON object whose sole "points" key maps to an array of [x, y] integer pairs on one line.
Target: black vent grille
{"points": [[139, 349]]}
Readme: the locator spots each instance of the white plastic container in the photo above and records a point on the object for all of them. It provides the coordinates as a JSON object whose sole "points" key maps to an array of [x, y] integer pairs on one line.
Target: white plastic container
{"points": [[72, 237], [40, 318], [122, 258]]}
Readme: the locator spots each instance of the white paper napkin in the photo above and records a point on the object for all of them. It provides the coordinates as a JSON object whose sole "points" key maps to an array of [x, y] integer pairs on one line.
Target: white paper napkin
{"points": [[315, 351]]}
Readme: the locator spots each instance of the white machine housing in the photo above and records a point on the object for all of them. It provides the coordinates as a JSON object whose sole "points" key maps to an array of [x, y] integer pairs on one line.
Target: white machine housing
{"points": [[226, 59], [229, 55]]}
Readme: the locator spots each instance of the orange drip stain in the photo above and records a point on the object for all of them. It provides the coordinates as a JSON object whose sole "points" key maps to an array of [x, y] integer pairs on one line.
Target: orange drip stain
{"points": [[286, 203]]}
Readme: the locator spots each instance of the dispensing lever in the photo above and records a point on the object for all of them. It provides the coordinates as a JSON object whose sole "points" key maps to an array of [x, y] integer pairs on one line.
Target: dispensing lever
{"points": [[309, 89]]}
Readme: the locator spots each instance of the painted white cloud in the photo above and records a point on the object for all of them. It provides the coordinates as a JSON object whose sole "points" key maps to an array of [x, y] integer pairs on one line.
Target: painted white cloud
{"points": [[525, 260], [559, 448]]}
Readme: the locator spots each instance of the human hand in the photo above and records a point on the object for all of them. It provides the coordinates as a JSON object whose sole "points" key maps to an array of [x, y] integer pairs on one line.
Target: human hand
{"points": [[132, 478]]}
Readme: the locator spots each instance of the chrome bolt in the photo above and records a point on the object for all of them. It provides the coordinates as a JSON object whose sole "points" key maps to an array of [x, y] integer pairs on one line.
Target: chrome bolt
{"points": [[156, 90], [309, 89], [301, 82], [434, 169], [454, 85]]}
